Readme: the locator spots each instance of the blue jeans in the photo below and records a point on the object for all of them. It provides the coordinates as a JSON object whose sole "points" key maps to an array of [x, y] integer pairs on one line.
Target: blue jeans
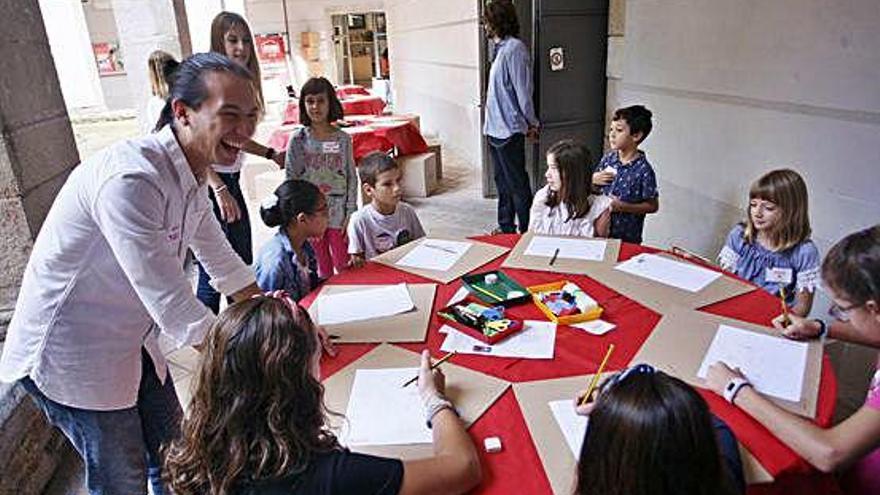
{"points": [[237, 233], [120, 449], [512, 182]]}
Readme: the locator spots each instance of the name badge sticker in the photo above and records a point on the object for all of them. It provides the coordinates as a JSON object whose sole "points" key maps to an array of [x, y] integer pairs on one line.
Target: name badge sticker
{"points": [[778, 275], [330, 147]]}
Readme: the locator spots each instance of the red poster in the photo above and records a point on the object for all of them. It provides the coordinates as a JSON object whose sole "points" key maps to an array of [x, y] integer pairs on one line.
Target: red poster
{"points": [[270, 48], [108, 58]]}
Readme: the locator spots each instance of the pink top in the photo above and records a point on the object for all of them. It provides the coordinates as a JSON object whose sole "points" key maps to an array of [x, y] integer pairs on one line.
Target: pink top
{"points": [[864, 477]]}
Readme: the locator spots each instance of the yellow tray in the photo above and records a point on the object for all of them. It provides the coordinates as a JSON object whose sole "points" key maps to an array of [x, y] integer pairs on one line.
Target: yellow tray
{"points": [[536, 290]]}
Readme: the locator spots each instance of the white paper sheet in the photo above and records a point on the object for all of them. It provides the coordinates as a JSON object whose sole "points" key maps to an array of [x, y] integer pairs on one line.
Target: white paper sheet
{"points": [[774, 365], [382, 412], [577, 249], [434, 254], [573, 426], [459, 296], [680, 274], [535, 341], [364, 304], [595, 327]]}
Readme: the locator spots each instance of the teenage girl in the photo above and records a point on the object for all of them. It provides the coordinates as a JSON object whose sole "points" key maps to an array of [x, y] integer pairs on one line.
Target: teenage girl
{"points": [[851, 275], [322, 154], [287, 262], [772, 249], [257, 423], [652, 434], [565, 206], [231, 36]]}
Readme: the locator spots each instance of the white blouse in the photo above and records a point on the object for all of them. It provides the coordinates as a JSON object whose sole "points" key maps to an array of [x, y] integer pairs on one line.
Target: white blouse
{"points": [[553, 221]]}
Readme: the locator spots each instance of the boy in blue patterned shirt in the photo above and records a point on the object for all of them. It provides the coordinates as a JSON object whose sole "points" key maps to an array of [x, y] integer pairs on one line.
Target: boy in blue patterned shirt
{"points": [[625, 174]]}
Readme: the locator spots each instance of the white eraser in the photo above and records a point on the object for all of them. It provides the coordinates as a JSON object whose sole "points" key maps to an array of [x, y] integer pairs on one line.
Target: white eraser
{"points": [[492, 444]]}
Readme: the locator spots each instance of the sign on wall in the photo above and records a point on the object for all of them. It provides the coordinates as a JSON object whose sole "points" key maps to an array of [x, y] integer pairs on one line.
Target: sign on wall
{"points": [[270, 48], [108, 58]]}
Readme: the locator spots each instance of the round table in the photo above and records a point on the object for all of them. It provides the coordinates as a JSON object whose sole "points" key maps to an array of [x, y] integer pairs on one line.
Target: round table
{"points": [[518, 468]]}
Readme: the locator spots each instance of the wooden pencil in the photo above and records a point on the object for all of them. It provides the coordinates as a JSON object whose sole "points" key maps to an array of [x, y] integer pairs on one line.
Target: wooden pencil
{"points": [[595, 380], [490, 294], [433, 366]]}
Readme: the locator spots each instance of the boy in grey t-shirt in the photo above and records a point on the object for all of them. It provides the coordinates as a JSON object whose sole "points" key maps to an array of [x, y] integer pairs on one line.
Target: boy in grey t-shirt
{"points": [[386, 222]]}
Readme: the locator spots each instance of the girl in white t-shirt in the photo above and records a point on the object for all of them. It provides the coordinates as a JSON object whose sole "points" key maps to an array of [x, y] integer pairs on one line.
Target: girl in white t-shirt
{"points": [[565, 206]]}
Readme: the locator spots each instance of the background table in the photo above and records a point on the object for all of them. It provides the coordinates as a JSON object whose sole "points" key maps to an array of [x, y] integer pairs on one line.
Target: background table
{"points": [[401, 135], [352, 105], [518, 469]]}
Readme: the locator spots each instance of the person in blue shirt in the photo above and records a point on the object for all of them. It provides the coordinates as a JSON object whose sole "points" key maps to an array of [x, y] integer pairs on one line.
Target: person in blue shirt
{"points": [[625, 174], [510, 116], [287, 262]]}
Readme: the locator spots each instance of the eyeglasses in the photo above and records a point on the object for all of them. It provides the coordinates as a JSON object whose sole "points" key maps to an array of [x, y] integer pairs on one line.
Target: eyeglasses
{"points": [[841, 313]]}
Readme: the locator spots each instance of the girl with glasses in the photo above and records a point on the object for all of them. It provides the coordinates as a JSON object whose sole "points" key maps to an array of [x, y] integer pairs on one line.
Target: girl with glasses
{"points": [[851, 274]]}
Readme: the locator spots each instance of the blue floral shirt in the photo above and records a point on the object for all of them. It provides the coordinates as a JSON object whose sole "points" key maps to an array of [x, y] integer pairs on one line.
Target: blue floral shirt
{"points": [[277, 267], [799, 265], [635, 182]]}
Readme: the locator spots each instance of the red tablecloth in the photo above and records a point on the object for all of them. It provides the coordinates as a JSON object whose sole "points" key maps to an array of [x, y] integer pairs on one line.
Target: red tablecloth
{"points": [[380, 137], [518, 468], [353, 105], [348, 90]]}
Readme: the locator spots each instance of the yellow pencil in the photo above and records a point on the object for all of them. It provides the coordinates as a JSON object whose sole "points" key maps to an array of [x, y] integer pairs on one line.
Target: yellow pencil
{"points": [[433, 366], [786, 321], [595, 380], [484, 291]]}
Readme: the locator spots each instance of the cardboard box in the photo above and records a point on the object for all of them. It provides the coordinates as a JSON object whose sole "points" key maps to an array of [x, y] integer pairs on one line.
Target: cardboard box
{"points": [[309, 38], [311, 53], [419, 174]]}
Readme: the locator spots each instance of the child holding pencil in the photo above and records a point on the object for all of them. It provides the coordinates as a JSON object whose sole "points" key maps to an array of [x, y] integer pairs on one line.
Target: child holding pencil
{"points": [[652, 434]]}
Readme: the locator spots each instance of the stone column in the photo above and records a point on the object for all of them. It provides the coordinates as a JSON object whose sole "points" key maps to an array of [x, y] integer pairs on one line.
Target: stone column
{"points": [[37, 151], [142, 28]]}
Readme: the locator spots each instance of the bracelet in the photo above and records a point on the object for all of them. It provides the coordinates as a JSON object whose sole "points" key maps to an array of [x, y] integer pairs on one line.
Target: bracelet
{"points": [[823, 328], [218, 190], [270, 153], [733, 387], [433, 405]]}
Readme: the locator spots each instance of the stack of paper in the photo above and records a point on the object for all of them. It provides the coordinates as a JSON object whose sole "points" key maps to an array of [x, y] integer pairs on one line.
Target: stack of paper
{"points": [[774, 365], [682, 275], [364, 304], [434, 254], [573, 426], [383, 412], [535, 341], [576, 249]]}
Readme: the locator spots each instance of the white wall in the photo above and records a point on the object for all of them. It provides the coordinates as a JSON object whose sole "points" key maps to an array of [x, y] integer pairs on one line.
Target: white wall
{"points": [[434, 57], [102, 28], [72, 52], [739, 88]]}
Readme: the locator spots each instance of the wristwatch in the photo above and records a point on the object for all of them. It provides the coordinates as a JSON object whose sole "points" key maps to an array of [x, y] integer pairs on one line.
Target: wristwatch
{"points": [[733, 387], [823, 328], [270, 153]]}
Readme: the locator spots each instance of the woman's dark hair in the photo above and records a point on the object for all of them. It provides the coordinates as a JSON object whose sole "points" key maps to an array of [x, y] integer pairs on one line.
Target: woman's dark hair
{"points": [[257, 412], [500, 15], [189, 86], [292, 197], [573, 161], [316, 86], [852, 266], [650, 433], [222, 23]]}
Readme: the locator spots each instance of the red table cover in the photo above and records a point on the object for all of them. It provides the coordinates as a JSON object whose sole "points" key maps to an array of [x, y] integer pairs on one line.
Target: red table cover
{"points": [[518, 469], [348, 90], [354, 105], [404, 136]]}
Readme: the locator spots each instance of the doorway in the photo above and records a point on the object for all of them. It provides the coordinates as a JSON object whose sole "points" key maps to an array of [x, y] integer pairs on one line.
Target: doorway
{"points": [[569, 90], [360, 43]]}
